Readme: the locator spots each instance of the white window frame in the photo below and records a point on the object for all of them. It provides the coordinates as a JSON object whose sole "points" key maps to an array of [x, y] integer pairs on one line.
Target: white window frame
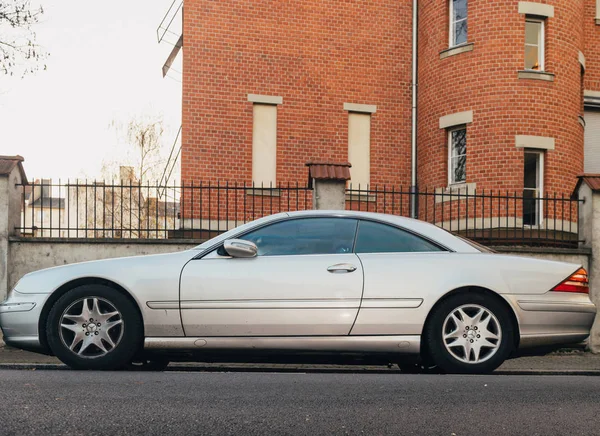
{"points": [[540, 175], [542, 42], [452, 33], [451, 181]]}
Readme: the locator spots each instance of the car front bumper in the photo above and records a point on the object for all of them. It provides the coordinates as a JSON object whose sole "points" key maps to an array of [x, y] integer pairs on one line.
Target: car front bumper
{"points": [[19, 320], [552, 319]]}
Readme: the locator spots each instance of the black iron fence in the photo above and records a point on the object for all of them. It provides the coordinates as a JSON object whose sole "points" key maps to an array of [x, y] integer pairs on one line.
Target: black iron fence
{"points": [[201, 210], [490, 217], [130, 210]]}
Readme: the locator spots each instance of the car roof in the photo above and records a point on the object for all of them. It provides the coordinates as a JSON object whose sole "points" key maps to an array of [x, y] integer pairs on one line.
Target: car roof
{"points": [[427, 230], [417, 226]]}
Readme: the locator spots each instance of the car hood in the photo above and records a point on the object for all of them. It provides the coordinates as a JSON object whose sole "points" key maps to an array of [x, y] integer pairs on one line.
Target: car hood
{"points": [[128, 272]]}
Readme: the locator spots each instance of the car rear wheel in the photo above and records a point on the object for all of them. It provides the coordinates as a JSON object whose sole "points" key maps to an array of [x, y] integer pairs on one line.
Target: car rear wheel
{"points": [[469, 333], [94, 327]]}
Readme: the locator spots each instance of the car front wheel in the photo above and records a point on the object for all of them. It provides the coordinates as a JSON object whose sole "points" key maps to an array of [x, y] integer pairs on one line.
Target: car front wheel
{"points": [[469, 333], [94, 327]]}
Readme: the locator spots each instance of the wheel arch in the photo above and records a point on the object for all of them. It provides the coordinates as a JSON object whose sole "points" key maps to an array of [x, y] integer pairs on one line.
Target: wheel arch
{"points": [[479, 290], [66, 287]]}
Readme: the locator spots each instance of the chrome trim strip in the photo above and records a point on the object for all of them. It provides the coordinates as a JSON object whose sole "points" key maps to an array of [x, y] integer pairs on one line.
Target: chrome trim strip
{"points": [[16, 307], [162, 304], [391, 303], [371, 344], [556, 306], [271, 304]]}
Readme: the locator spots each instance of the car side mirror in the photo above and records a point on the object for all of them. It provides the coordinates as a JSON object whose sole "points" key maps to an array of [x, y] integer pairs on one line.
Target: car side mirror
{"points": [[240, 248]]}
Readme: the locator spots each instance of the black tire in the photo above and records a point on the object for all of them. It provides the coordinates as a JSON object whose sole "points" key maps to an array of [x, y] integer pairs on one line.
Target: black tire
{"points": [[131, 331], [450, 363]]}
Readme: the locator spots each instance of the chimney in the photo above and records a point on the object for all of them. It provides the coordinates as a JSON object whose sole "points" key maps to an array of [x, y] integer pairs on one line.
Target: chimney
{"points": [[46, 188], [126, 174]]}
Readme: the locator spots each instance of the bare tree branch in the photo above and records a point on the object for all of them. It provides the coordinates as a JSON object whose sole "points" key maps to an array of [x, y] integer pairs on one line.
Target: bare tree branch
{"points": [[19, 52]]}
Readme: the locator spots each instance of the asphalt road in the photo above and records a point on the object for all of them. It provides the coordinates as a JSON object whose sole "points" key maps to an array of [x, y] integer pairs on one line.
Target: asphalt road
{"points": [[188, 403]]}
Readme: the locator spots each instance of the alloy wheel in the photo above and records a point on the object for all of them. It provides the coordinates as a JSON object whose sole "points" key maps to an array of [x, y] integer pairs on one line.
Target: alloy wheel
{"points": [[471, 334], [91, 327]]}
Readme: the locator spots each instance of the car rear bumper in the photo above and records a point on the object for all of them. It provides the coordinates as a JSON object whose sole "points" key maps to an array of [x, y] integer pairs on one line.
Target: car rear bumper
{"points": [[19, 319], [553, 318]]}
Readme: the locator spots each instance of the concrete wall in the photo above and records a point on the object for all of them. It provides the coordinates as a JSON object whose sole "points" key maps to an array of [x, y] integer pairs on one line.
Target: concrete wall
{"points": [[27, 255], [10, 217], [329, 195]]}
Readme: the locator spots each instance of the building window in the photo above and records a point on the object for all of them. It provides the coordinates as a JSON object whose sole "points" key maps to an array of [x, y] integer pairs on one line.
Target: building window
{"points": [[534, 44], [457, 155], [458, 22], [533, 178], [359, 148], [264, 145]]}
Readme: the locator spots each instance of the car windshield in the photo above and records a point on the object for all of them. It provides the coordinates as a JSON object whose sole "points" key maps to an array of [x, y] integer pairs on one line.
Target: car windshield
{"points": [[238, 230]]}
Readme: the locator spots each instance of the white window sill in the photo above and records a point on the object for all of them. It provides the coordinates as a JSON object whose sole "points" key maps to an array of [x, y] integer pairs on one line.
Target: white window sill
{"points": [[455, 192], [458, 49], [356, 197], [263, 192], [598, 21], [536, 75]]}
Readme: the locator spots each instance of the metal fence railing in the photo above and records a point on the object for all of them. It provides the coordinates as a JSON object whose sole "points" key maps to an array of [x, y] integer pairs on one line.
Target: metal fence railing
{"points": [[130, 210], [490, 217]]}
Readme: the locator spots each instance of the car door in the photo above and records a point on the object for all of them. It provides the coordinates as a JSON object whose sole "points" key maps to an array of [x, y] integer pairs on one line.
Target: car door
{"points": [[401, 269], [305, 281]]}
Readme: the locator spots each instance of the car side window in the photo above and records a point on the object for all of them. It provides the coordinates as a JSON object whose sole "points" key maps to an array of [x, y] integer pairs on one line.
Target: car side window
{"points": [[305, 236], [380, 238]]}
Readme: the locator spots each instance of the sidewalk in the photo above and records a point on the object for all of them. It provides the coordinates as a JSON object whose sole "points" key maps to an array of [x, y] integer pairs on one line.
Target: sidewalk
{"points": [[562, 362]]}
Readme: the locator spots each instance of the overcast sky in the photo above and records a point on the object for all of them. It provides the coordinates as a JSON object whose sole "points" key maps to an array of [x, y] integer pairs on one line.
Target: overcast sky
{"points": [[104, 67]]}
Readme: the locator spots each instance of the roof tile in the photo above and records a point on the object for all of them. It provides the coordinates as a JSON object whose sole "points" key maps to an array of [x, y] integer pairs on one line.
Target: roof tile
{"points": [[327, 170]]}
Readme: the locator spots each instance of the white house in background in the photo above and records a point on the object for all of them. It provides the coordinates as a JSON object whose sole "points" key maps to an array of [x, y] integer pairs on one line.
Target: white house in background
{"points": [[92, 209], [43, 214]]}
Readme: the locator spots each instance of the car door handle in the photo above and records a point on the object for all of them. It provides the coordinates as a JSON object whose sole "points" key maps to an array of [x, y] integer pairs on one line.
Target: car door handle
{"points": [[342, 268]]}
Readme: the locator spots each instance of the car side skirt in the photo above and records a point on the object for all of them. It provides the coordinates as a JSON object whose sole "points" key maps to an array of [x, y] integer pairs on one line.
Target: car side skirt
{"points": [[360, 344]]}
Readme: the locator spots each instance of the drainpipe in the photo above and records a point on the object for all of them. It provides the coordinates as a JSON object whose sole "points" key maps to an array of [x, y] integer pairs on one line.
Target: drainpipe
{"points": [[414, 205]]}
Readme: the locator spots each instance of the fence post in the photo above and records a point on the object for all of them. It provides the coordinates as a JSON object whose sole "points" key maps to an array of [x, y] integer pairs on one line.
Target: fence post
{"points": [[328, 181], [588, 190], [11, 174]]}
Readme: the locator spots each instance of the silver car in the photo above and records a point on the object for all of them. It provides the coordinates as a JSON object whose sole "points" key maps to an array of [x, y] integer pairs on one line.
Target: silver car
{"points": [[303, 284]]}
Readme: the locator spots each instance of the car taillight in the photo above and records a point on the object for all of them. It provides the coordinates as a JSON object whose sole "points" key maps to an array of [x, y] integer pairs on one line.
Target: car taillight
{"points": [[578, 282]]}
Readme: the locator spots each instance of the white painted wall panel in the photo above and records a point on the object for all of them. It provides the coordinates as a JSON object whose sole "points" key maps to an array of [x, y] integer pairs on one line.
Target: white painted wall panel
{"points": [[592, 142], [264, 145], [359, 148]]}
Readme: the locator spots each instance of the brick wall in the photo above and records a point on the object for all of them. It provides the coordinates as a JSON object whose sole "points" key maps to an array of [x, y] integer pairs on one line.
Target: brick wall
{"points": [[592, 47], [317, 55], [485, 81]]}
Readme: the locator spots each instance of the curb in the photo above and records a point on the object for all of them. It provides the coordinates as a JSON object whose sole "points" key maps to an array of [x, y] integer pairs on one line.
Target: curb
{"points": [[349, 370]]}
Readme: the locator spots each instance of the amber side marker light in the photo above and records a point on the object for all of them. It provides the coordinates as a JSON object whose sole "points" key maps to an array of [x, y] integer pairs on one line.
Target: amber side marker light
{"points": [[578, 282]]}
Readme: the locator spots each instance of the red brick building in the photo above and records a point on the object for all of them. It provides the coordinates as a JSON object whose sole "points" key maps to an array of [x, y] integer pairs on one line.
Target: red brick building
{"points": [[507, 92]]}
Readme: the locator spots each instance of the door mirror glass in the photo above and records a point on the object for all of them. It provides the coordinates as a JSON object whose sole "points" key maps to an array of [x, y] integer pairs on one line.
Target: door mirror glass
{"points": [[240, 248]]}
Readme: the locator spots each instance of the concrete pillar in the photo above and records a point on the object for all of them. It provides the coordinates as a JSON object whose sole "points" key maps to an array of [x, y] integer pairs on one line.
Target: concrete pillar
{"points": [[11, 174], [328, 180], [588, 190]]}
